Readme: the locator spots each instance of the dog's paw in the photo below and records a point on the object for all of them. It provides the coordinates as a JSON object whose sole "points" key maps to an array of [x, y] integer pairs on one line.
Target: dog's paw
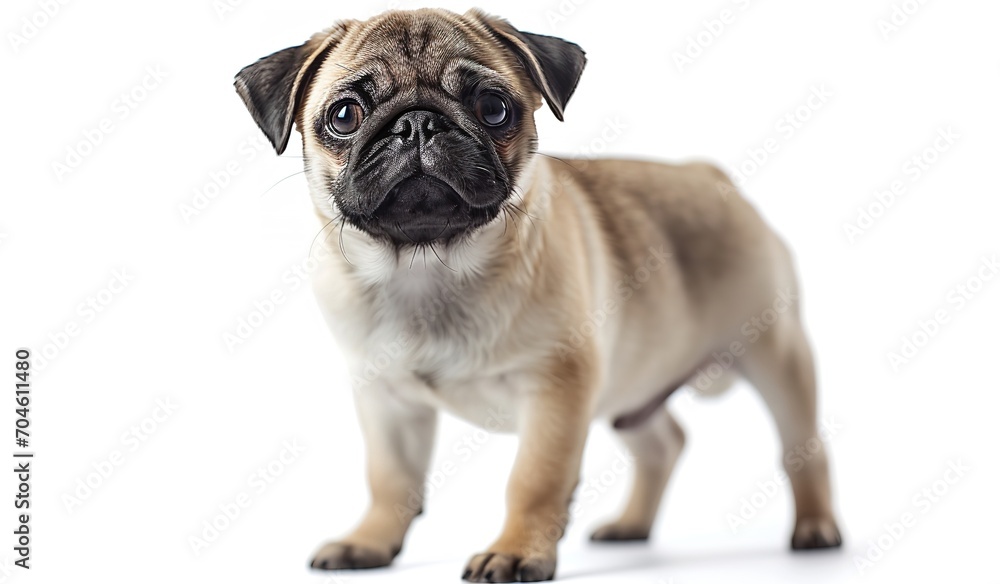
{"points": [[815, 533], [616, 531], [352, 556], [495, 567]]}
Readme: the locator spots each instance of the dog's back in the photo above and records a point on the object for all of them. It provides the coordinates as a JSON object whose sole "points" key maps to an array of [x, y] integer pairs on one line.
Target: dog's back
{"points": [[721, 249]]}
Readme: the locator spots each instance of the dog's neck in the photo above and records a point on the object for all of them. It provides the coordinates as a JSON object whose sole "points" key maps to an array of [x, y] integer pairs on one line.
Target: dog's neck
{"points": [[464, 296], [419, 273]]}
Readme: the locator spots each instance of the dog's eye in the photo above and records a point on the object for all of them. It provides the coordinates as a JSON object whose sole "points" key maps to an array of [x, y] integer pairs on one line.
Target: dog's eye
{"points": [[491, 109], [346, 117]]}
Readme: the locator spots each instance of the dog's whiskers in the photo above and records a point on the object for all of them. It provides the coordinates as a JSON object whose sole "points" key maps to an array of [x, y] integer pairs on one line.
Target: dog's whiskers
{"points": [[282, 180], [517, 230], [575, 169], [401, 230], [318, 233], [343, 251], [439, 258], [519, 212], [520, 195], [505, 218], [413, 256]]}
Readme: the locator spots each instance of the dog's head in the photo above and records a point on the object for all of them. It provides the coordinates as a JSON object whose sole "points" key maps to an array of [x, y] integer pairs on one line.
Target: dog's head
{"points": [[416, 125]]}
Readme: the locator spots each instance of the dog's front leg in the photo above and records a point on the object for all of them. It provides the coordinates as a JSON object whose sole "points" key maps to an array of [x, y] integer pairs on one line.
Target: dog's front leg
{"points": [[399, 438], [553, 424]]}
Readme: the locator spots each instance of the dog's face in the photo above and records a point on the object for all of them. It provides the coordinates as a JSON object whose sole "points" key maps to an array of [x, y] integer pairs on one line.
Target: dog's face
{"points": [[416, 125]]}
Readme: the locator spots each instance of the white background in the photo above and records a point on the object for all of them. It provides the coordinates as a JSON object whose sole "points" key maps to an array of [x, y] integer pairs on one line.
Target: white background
{"points": [[195, 277]]}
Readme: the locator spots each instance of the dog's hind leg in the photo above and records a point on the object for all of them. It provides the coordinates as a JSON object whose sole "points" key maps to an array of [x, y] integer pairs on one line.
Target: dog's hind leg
{"points": [[780, 365], [655, 446]]}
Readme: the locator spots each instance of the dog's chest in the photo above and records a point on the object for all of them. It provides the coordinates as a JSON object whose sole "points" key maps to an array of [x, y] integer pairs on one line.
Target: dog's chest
{"points": [[431, 339], [435, 326], [487, 401]]}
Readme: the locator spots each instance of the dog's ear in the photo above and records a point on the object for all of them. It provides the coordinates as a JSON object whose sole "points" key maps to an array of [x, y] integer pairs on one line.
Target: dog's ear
{"points": [[554, 64], [273, 87]]}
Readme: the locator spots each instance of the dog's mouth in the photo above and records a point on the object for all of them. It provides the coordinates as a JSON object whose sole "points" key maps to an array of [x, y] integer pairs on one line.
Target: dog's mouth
{"points": [[423, 209]]}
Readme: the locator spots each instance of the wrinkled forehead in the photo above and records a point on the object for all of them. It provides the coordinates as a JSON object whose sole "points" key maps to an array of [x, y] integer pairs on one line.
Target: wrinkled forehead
{"points": [[405, 52]]}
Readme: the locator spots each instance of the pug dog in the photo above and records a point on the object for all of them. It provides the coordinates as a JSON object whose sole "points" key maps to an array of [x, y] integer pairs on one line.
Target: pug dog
{"points": [[464, 271]]}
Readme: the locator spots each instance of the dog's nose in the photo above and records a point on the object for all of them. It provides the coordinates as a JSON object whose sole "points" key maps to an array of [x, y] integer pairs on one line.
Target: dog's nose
{"points": [[418, 126]]}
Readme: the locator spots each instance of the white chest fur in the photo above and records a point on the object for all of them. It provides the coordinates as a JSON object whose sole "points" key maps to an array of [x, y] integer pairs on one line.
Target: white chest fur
{"points": [[420, 331]]}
